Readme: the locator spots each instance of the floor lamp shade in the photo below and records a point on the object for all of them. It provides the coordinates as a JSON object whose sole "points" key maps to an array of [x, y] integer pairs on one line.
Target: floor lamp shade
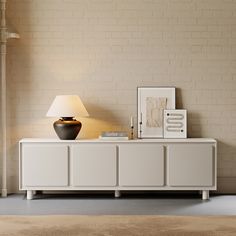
{"points": [[67, 107]]}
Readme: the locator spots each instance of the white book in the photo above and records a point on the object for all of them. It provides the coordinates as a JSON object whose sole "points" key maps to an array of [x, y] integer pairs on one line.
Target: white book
{"points": [[114, 134], [113, 138]]}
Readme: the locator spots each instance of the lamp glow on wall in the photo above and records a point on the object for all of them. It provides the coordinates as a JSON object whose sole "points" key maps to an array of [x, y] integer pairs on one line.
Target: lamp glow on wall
{"points": [[67, 107]]}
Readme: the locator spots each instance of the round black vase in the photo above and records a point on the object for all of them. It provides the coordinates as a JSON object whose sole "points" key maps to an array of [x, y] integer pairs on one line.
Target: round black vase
{"points": [[67, 128]]}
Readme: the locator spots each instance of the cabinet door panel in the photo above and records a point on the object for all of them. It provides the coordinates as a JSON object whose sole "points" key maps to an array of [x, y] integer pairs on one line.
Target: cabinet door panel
{"points": [[141, 165], [44, 165], [190, 165], [94, 165]]}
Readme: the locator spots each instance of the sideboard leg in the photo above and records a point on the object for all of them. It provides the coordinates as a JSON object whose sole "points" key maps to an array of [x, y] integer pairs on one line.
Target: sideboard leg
{"points": [[117, 193], [205, 194], [30, 194]]}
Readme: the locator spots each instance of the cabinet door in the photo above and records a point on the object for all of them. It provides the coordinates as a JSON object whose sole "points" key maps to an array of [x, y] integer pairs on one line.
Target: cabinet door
{"points": [[141, 165], [44, 165], [190, 165], [94, 165]]}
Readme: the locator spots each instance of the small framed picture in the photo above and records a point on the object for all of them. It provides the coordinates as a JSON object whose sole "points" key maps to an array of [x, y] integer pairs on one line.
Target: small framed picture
{"points": [[175, 124], [152, 101]]}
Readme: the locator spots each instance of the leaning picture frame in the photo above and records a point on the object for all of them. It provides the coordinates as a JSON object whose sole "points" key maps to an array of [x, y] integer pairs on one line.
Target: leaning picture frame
{"points": [[152, 101]]}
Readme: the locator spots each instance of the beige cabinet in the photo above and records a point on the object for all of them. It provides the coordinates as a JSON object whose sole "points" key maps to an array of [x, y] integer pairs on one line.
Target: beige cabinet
{"points": [[45, 165], [190, 165], [93, 165], [160, 164], [141, 165]]}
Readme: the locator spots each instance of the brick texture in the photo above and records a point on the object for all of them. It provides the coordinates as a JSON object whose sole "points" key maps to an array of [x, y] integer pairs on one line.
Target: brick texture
{"points": [[103, 49]]}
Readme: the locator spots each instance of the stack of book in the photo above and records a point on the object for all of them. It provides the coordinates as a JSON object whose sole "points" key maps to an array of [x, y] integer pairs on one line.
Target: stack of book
{"points": [[114, 135]]}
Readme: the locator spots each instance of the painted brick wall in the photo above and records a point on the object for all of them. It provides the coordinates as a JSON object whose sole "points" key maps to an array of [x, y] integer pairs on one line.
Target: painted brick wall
{"points": [[103, 49]]}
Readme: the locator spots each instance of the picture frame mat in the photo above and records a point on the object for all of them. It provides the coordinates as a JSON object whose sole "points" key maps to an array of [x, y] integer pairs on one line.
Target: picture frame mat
{"points": [[143, 94]]}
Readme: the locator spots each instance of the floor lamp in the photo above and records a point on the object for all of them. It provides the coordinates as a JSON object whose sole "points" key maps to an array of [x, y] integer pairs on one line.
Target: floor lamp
{"points": [[5, 35]]}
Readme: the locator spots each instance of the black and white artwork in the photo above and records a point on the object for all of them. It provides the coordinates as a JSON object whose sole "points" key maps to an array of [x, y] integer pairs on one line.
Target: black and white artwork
{"points": [[152, 101], [175, 124]]}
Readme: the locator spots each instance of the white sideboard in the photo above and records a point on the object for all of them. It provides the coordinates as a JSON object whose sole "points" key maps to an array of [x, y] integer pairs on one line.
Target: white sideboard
{"points": [[142, 164]]}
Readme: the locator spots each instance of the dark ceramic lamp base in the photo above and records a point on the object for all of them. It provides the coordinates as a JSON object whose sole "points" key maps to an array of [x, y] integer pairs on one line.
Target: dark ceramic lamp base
{"points": [[67, 128]]}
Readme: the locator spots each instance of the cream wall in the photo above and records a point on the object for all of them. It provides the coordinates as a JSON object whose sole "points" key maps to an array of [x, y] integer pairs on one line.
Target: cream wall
{"points": [[103, 49]]}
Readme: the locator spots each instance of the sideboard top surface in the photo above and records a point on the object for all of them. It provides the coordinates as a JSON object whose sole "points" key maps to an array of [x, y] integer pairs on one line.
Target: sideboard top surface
{"points": [[187, 140]]}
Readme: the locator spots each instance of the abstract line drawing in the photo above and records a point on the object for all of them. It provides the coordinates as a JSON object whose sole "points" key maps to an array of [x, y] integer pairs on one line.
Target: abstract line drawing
{"points": [[154, 111], [175, 124]]}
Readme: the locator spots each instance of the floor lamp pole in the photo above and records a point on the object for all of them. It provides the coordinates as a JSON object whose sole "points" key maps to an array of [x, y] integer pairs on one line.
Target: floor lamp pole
{"points": [[4, 36]]}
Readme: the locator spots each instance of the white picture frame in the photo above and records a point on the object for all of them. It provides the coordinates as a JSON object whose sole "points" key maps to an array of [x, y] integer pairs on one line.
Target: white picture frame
{"points": [[175, 123], [152, 101]]}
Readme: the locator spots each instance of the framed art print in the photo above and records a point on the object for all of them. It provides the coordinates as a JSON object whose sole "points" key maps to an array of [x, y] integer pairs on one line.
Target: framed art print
{"points": [[175, 123], [152, 101]]}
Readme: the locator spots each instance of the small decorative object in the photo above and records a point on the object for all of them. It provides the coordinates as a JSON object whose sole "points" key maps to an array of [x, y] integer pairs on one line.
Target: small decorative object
{"points": [[175, 124], [67, 107], [151, 103], [132, 127], [114, 135]]}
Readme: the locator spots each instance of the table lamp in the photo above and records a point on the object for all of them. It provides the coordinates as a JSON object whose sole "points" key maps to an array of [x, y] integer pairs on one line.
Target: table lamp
{"points": [[67, 107]]}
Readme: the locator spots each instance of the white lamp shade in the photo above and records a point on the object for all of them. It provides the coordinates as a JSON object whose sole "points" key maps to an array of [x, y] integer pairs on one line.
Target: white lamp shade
{"points": [[67, 106]]}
